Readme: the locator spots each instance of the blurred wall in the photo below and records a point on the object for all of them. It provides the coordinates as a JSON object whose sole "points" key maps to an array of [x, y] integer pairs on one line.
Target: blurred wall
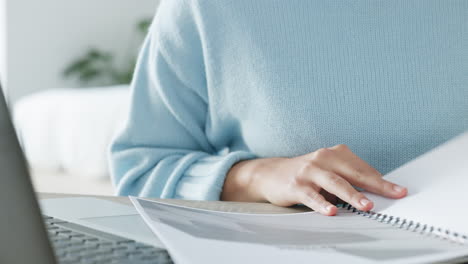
{"points": [[2, 39], [43, 37]]}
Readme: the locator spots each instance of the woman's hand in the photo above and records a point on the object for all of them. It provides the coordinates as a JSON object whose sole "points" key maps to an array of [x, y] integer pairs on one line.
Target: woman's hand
{"points": [[306, 179]]}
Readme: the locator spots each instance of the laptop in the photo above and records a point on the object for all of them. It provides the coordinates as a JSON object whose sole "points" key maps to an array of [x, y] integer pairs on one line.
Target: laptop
{"points": [[28, 236]]}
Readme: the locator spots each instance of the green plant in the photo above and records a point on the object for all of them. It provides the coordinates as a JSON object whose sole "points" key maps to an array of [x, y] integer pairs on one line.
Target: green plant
{"points": [[98, 67]]}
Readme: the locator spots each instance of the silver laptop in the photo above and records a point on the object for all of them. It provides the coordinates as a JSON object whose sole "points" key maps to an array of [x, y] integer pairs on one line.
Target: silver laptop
{"points": [[27, 236]]}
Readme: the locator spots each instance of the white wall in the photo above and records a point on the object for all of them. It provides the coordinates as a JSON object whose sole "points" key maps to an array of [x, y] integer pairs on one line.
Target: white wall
{"points": [[45, 36], [3, 40]]}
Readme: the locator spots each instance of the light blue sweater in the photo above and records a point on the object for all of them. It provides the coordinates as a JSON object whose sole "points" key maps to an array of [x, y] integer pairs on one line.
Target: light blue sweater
{"points": [[222, 81]]}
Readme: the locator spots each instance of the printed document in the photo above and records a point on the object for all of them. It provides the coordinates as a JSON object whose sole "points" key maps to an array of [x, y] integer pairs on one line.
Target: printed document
{"points": [[203, 236]]}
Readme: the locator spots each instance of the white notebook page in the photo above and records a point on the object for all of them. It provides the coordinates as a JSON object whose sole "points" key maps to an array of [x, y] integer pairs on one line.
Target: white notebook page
{"points": [[438, 188]]}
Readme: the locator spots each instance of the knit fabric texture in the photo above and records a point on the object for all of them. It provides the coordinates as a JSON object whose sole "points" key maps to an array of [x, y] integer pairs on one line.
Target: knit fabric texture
{"points": [[222, 81]]}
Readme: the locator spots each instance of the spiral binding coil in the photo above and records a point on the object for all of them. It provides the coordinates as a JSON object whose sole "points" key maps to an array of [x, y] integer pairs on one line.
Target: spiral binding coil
{"points": [[410, 225]]}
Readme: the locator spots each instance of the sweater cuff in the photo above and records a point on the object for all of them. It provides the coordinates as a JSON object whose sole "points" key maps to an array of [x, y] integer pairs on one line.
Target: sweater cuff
{"points": [[204, 179]]}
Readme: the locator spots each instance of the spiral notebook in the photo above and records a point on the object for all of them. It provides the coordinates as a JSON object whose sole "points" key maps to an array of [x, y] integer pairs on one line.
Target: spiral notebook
{"points": [[438, 191], [430, 225]]}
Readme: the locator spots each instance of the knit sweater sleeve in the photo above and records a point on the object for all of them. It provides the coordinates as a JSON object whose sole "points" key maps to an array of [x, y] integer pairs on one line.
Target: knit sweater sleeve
{"points": [[162, 149]]}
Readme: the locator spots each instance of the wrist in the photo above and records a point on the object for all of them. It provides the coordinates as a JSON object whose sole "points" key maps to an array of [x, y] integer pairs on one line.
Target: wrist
{"points": [[262, 176], [247, 180], [242, 182]]}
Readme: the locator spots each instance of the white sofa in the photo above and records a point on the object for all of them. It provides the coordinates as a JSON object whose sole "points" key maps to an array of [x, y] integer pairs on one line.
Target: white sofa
{"points": [[65, 135]]}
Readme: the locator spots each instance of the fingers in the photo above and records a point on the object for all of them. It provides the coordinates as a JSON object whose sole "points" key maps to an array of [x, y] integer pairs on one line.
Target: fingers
{"points": [[357, 172], [335, 170], [330, 197], [314, 200], [380, 186], [335, 184]]}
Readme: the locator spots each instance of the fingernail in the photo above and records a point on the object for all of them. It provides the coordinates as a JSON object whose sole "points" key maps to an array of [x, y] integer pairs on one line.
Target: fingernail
{"points": [[398, 189], [364, 202], [328, 208]]}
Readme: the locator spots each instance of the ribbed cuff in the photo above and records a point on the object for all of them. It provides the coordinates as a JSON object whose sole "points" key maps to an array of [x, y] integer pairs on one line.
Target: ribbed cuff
{"points": [[204, 179]]}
